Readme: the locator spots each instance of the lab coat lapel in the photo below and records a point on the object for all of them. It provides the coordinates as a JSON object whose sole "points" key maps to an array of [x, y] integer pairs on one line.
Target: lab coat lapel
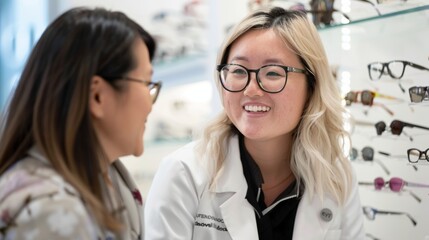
{"points": [[236, 211], [309, 222]]}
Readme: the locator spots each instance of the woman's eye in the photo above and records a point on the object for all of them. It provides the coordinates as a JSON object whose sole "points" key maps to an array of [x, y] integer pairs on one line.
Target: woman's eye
{"points": [[239, 71]]}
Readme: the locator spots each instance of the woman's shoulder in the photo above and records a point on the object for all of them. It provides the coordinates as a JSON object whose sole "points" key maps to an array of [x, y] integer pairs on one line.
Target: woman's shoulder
{"points": [[30, 191], [33, 178]]}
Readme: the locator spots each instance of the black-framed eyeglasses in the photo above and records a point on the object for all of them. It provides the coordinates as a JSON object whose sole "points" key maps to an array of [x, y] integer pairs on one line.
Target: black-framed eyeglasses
{"points": [[415, 155], [368, 156], [394, 69], [418, 94], [396, 127], [270, 78], [370, 213], [154, 87]]}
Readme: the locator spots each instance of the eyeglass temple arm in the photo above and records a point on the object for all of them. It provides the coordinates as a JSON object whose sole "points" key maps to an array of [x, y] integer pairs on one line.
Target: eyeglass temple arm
{"points": [[417, 66], [398, 213], [366, 183], [388, 97], [412, 184], [371, 236], [414, 125], [382, 166], [418, 199], [407, 135], [385, 108]]}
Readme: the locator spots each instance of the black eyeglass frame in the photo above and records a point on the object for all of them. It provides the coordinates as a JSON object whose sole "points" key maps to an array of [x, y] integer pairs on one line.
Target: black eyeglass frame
{"points": [[151, 85], [421, 153], [385, 65], [287, 69], [419, 91]]}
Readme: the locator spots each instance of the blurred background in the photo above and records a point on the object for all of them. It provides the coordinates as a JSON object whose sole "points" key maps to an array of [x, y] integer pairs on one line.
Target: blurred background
{"points": [[189, 33]]}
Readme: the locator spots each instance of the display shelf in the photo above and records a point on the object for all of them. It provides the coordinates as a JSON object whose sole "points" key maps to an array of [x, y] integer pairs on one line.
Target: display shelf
{"points": [[400, 35]]}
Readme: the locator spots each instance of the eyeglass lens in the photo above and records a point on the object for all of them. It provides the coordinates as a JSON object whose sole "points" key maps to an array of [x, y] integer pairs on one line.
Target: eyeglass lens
{"points": [[418, 94], [367, 154], [414, 155], [366, 97], [270, 78], [394, 69], [396, 127], [380, 127], [154, 91], [369, 213], [395, 184]]}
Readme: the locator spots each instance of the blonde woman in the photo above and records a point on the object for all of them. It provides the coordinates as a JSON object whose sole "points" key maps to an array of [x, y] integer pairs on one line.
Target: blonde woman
{"points": [[271, 166], [81, 103]]}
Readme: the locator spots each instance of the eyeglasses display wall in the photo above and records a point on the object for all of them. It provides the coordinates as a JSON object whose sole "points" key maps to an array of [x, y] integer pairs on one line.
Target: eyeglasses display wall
{"points": [[382, 68]]}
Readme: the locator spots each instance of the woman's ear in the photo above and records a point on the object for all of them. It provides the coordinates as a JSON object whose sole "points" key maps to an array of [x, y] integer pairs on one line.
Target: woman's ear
{"points": [[97, 96]]}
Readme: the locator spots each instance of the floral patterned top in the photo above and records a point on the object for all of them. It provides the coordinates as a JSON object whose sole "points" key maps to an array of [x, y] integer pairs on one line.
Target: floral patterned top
{"points": [[37, 203]]}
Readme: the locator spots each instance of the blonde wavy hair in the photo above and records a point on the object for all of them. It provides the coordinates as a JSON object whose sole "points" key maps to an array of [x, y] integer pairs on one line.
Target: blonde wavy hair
{"points": [[318, 159]]}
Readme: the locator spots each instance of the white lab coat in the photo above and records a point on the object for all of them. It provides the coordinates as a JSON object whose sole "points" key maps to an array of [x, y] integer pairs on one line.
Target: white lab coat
{"points": [[180, 204]]}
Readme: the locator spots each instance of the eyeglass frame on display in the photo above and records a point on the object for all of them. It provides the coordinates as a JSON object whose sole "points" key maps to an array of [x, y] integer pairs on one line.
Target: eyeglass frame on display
{"points": [[424, 94], [375, 211], [379, 183], [426, 153], [393, 127], [385, 65], [366, 157], [287, 69], [151, 85], [367, 98]]}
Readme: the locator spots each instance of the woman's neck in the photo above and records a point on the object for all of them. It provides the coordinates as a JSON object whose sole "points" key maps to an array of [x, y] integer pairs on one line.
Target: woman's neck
{"points": [[272, 157]]}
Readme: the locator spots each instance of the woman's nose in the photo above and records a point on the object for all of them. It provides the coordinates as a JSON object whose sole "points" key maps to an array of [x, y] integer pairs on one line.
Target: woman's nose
{"points": [[253, 89]]}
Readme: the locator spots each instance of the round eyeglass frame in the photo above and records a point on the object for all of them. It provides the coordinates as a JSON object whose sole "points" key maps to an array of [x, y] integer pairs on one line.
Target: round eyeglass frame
{"points": [[287, 69]]}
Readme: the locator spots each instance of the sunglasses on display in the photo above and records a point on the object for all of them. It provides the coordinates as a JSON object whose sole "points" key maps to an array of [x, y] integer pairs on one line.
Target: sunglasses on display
{"points": [[395, 69], [368, 156], [371, 212], [395, 184], [415, 155], [396, 127], [366, 97], [419, 94]]}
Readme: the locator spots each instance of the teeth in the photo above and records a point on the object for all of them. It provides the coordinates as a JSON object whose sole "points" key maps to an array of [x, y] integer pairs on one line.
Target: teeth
{"points": [[253, 108]]}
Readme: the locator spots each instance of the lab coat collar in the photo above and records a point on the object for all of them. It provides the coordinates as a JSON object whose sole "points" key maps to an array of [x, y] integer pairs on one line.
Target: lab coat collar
{"points": [[236, 208], [231, 177]]}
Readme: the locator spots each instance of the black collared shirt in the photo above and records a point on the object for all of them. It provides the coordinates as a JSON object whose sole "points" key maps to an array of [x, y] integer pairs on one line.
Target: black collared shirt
{"points": [[276, 221]]}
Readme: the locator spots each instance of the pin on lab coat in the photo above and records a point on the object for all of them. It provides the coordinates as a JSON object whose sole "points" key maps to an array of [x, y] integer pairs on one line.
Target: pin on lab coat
{"points": [[180, 205]]}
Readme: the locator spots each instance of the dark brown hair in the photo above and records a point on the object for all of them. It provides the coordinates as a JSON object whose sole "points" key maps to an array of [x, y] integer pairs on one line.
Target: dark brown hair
{"points": [[49, 108]]}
